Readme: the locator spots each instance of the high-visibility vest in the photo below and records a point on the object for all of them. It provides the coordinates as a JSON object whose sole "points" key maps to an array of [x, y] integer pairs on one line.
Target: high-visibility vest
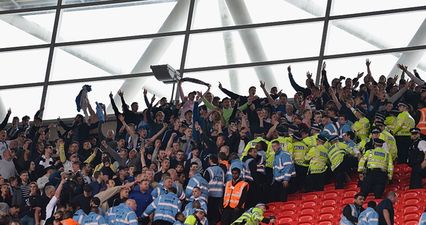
{"points": [[422, 122], [233, 193]]}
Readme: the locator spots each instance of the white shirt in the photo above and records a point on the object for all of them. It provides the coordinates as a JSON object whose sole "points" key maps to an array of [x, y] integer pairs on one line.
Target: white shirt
{"points": [[51, 206], [422, 145]]}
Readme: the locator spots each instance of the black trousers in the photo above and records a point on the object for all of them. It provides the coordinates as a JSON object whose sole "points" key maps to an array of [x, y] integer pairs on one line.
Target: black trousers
{"points": [[279, 193], [340, 175], [230, 215], [299, 180], [374, 181], [402, 143], [253, 191], [215, 206], [417, 174], [315, 182]]}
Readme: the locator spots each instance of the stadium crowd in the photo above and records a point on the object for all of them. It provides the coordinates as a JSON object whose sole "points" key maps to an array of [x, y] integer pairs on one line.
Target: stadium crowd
{"points": [[205, 160]]}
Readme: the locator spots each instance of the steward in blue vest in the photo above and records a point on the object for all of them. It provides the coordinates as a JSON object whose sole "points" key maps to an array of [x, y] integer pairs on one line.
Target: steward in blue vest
{"points": [[165, 207], [94, 217], [351, 211], [215, 176]]}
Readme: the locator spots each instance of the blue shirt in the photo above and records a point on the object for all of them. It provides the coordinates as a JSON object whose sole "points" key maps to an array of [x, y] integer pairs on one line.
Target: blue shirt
{"points": [[143, 199]]}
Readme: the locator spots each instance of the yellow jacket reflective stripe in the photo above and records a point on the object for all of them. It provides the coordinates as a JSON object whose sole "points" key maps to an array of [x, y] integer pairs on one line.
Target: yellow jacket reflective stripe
{"points": [[377, 158], [404, 123]]}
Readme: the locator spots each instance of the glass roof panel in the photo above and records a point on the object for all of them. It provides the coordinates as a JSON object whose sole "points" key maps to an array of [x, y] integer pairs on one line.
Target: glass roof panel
{"points": [[25, 66], [278, 42], [118, 20], [80, 61], [347, 7], [22, 101], [25, 4], [216, 13], [16, 31], [369, 33]]}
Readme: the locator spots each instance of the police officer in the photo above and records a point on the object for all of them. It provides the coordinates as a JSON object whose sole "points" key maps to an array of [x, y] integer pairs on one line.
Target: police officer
{"points": [[338, 155], [123, 214], [403, 124], [298, 152], [379, 167], [318, 158], [236, 193], [254, 216], [362, 125], [283, 171], [94, 217], [417, 159], [215, 177], [351, 211], [369, 216], [165, 207], [388, 138]]}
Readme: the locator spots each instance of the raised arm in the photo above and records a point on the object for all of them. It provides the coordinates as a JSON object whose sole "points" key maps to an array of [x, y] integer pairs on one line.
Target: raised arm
{"points": [[142, 155], [412, 76], [129, 131], [263, 86], [62, 156], [155, 136], [293, 83], [180, 91], [228, 92], [110, 151], [124, 106], [6, 119], [334, 97]]}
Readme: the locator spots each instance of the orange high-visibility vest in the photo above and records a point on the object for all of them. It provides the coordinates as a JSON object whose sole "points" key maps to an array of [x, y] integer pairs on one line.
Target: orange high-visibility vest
{"points": [[233, 193], [422, 122]]}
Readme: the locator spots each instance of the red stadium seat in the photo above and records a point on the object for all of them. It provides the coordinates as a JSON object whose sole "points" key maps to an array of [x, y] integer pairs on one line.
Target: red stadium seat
{"points": [[307, 211], [286, 213], [411, 216], [327, 210], [309, 204], [327, 222], [285, 220], [310, 197], [330, 195], [287, 205], [411, 201], [326, 217], [411, 209], [329, 202], [350, 194], [305, 218], [411, 222], [347, 201]]}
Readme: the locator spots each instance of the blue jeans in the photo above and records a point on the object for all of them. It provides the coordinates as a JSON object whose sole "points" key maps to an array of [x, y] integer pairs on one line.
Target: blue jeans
{"points": [[27, 220]]}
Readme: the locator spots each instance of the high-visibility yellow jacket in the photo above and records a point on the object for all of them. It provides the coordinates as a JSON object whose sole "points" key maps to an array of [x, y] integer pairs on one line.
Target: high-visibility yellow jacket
{"points": [[361, 128], [377, 158], [298, 151], [318, 158], [404, 123]]}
